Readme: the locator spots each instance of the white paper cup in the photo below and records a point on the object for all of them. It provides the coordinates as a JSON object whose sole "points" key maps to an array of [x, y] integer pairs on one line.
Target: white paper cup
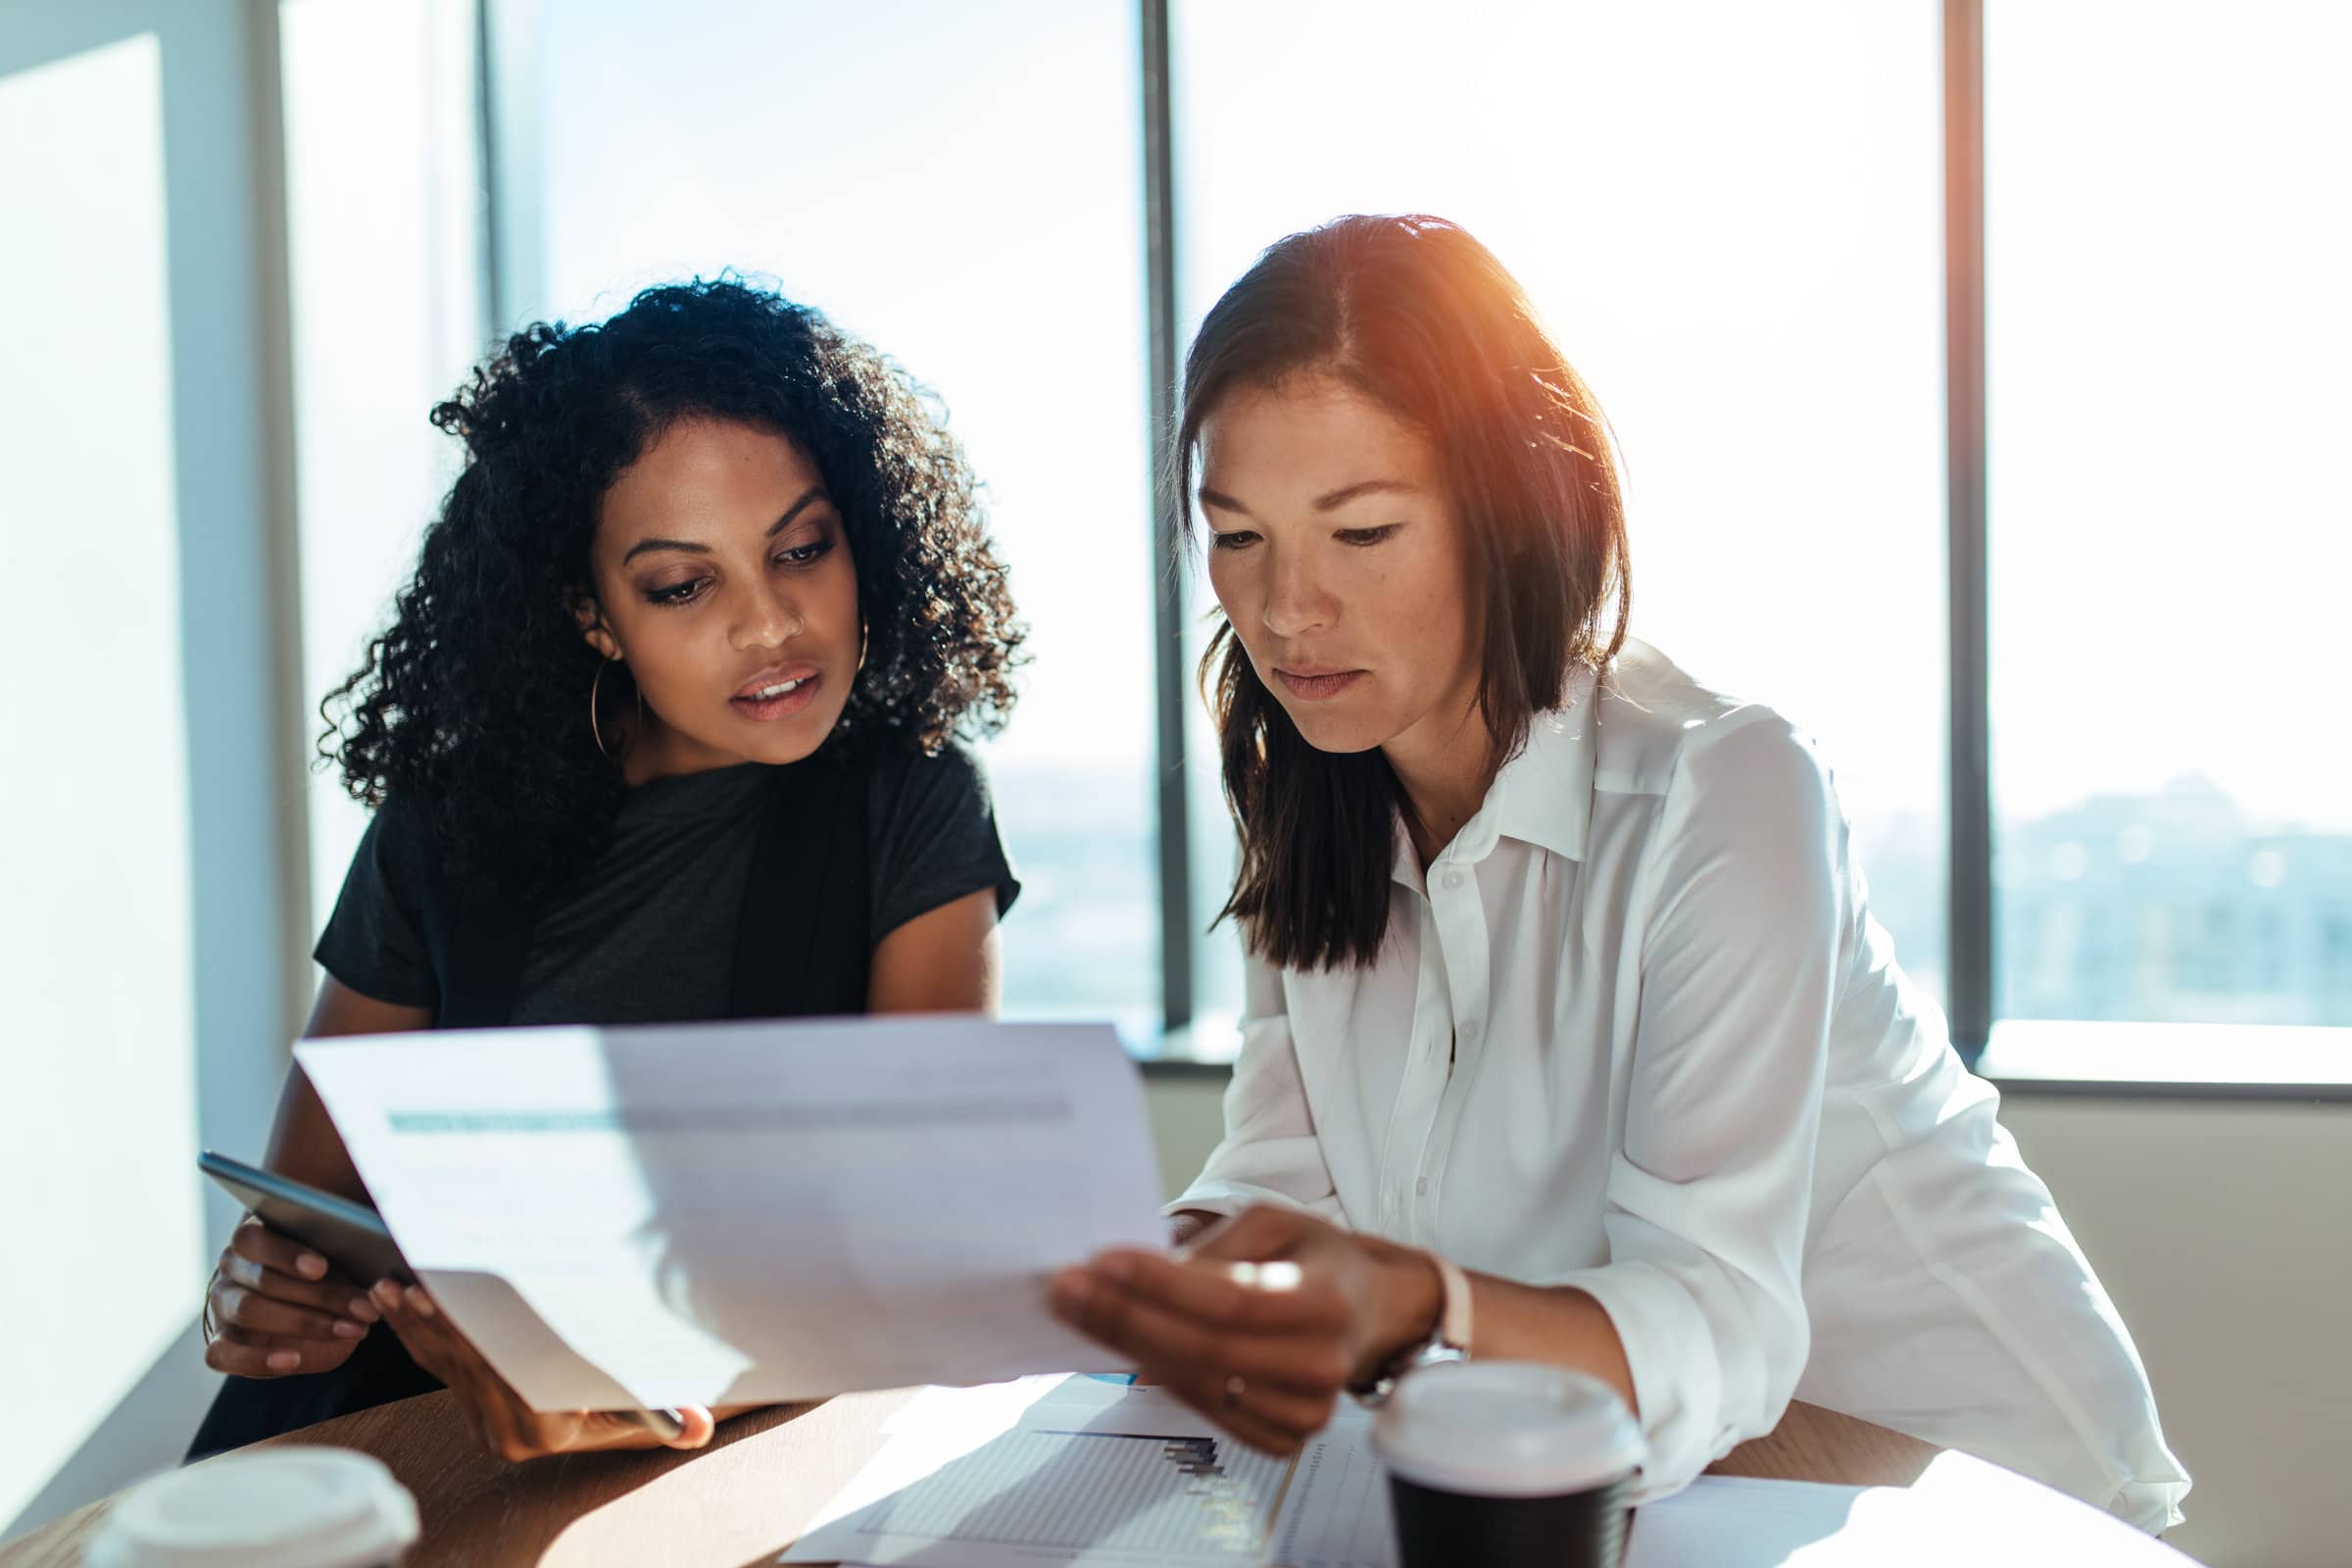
{"points": [[1508, 1464], [274, 1507]]}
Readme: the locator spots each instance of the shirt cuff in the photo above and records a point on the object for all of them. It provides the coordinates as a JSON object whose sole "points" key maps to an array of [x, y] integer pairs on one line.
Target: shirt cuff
{"points": [[1678, 1377], [1229, 1199]]}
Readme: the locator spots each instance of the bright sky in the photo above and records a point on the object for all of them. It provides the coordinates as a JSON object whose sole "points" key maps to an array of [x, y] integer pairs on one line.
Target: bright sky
{"points": [[2168, 235]]}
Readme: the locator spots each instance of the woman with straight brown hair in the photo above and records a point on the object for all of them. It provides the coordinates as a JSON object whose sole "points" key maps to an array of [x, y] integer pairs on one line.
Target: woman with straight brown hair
{"points": [[1569, 1035]]}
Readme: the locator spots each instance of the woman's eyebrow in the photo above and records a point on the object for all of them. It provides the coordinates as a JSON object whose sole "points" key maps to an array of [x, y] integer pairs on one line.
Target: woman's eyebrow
{"points": [[1329, 501], [1221, 500], [1333, 499], [642, 545], [808, 498]]}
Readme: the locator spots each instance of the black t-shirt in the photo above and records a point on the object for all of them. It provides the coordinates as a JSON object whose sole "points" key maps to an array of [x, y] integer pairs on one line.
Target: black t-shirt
{"points": [[649, 934]]}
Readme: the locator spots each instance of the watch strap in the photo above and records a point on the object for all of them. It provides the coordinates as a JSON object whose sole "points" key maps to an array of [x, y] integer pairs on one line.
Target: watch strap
{"points": [[1454, 1320]]}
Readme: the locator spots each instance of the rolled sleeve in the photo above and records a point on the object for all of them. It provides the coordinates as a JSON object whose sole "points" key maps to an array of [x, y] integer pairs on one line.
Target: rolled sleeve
{"points": [[1706, 1201], [1269, 1154]]}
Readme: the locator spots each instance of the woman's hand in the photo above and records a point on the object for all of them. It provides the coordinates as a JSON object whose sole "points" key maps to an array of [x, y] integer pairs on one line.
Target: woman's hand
{"points": [[501, 1422], [279, 1308], [1262, 1323]]}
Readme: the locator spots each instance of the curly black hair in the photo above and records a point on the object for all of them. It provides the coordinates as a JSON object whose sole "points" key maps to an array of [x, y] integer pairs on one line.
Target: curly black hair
{"points": [[474, 701]]}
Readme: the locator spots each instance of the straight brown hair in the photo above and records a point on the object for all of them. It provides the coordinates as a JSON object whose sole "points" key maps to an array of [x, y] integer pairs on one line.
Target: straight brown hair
{"points": [[1414, 314]]}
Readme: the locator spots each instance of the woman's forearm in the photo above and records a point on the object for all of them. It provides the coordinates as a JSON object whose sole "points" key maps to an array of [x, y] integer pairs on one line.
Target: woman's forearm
{"points": [[1559, 1324], [1508, 1321]]}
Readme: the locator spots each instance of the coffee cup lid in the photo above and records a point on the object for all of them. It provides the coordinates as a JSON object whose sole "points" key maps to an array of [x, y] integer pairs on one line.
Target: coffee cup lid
{"points": [[1507, 1429], [274, 1507]]}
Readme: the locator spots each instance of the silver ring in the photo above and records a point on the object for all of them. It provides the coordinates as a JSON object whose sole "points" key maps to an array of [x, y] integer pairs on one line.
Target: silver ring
{"points": [[1235, 1387]]}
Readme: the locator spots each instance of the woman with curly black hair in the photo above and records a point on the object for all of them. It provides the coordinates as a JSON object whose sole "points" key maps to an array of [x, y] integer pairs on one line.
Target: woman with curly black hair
{"points": [[663, 729]]}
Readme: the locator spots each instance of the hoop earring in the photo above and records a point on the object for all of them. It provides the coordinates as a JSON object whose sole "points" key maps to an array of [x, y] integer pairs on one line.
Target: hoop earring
{"points": [[862, 629], [596, 731]]}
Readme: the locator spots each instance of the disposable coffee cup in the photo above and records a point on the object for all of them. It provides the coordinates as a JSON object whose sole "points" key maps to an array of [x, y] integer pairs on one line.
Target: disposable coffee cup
{"points": [[271, 1507], [1508, 1464]]}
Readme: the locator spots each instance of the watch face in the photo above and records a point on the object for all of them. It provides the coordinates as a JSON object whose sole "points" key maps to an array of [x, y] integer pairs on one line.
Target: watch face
{"points": [[1432, 1351]]}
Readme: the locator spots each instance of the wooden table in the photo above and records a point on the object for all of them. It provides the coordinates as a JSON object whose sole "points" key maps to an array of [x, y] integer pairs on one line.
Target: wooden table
{"points": [[749, 1495]]}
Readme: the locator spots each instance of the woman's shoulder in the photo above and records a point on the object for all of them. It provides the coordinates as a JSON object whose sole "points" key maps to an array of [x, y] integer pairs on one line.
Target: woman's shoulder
{"points": [[933, 833], [900, 771], [404, 836], [1658, 720], [920, 801]]}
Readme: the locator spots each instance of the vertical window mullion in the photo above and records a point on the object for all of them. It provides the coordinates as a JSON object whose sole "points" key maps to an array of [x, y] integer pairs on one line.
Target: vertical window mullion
{"points": [[1168, 605], [1970, 803]]}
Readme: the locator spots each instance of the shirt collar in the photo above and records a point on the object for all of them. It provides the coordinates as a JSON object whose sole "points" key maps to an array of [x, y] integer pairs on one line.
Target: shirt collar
{"points": [[1543, 796]]}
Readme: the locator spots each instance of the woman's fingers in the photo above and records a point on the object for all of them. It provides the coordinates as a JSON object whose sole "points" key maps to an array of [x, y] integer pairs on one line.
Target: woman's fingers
{"points": [[498, 1422], [1172, 1343], [270, 1323], [698, 1427], [431, 1338], [1275, 1420], [1260, 1231], [331, 1294], [271, 1284], [1259, 1297], [1252, 1338], [502, 1423], [243, 1353], [257, 1242], [1268, 1416], [236, 1305], [624, 1429]]}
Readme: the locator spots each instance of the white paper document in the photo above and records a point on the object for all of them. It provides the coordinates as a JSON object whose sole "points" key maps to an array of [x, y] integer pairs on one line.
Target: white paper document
{"points": [[745, 1214], [1087, 1472], [1091, 1472]]}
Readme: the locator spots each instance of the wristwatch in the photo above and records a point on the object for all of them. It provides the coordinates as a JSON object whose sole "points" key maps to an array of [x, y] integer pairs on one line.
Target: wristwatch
{"points": [[1449, 1341]]}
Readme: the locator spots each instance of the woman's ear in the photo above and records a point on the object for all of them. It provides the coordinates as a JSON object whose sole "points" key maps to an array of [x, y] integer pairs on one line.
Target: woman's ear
{"points": [[589, 616]]}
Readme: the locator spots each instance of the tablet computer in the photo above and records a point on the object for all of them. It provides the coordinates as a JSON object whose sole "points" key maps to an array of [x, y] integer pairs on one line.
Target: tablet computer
{"points": [[350, 1236]]}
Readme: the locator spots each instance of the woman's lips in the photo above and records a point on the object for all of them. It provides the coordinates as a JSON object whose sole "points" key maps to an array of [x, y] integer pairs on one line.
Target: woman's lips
{"points": [[767, 703], [1318, 688]]}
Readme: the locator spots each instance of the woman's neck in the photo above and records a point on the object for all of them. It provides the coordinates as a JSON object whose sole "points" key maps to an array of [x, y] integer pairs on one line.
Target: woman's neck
{"points": [[1445, 766], [652, 750]]}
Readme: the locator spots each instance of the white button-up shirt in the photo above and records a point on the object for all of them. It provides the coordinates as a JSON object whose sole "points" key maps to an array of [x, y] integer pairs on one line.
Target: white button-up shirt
{"points": [[1635, 1032]]}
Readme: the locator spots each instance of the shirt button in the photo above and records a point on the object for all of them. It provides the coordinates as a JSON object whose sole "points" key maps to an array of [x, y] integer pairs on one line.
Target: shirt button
{"points": [[1469, 1033], [1454, 879], [1422, 1187]]}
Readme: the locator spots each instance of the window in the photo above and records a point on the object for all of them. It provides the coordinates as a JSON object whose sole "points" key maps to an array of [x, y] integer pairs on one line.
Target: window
{"points": [[1735, 229], [384, 239], [967, 199], [2167, 236], [1735, 233]]}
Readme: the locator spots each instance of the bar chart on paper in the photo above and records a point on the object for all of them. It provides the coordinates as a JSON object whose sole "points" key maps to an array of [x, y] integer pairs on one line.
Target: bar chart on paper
{"points": [[1113, 1494]]}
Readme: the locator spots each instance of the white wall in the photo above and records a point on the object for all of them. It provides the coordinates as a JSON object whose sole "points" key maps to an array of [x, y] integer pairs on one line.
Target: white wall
{"points": [[152, 817], [2224, 1231], [98, 964]]}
